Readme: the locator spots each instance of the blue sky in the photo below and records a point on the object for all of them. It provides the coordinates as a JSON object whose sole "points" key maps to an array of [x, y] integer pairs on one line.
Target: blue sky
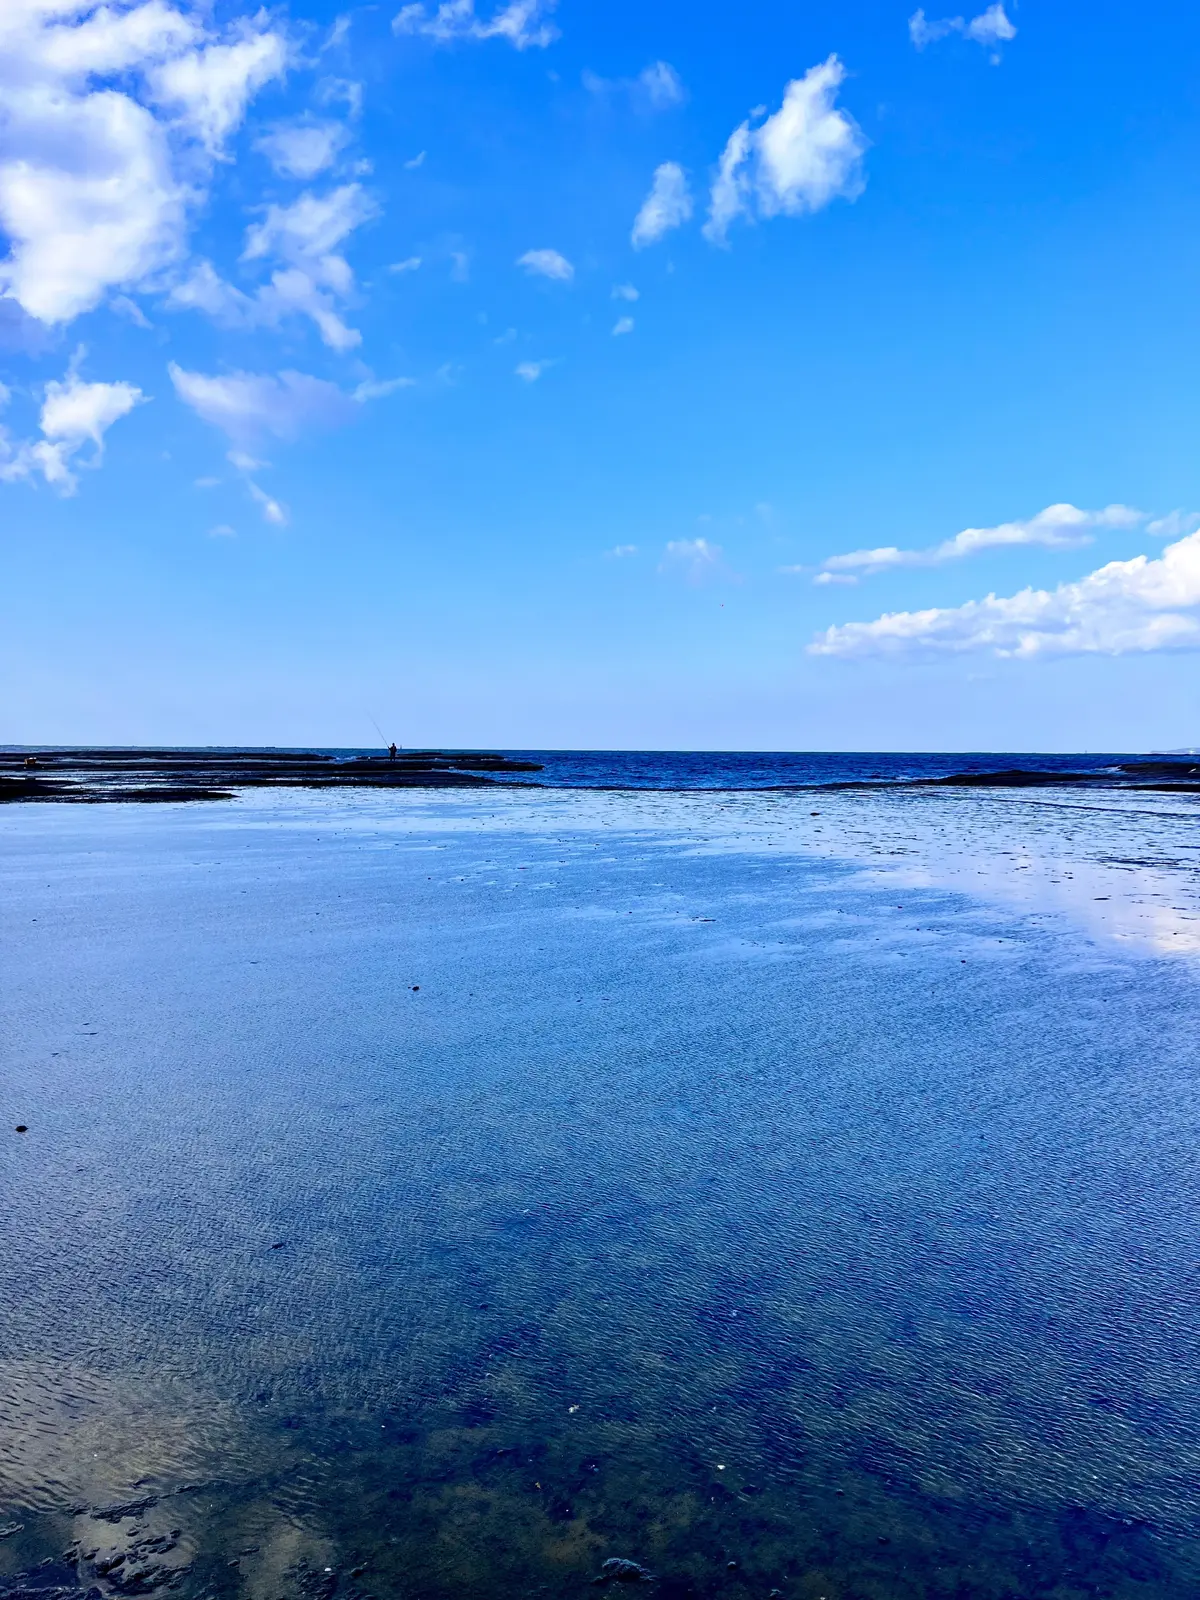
{"points": [[600, 376]]}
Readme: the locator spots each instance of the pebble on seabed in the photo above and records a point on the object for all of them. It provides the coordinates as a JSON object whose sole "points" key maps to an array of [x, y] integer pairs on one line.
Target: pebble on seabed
{"points": [[21, 1128]]}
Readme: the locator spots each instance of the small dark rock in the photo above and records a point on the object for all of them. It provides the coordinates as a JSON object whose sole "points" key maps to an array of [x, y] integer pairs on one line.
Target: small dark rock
{"points": [[21, 1128], [731, 1566], [618, 1569]]}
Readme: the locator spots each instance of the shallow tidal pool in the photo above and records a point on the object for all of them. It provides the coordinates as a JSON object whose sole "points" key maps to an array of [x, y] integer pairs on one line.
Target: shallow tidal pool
{"points": [[428, 1196]]}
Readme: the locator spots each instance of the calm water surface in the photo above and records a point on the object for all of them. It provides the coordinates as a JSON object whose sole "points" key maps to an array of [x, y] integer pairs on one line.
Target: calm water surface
{"points": [[428, 1195]]}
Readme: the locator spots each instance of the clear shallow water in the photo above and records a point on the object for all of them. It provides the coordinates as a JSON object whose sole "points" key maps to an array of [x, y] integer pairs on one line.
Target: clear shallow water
{"points": [[814, 1193]]}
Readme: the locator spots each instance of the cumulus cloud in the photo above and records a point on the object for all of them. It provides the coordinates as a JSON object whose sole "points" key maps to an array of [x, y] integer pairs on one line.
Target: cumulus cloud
{"points": [[692, 559], [1058, 527], [314, 278], [657, 87], [302, 149], [667, 206], [109, 120], [990, 28], [74, 413], [251, 406], [524, 23], [806, 155], [623, 325], [547, 264], [1126, 606], [209, 88]]}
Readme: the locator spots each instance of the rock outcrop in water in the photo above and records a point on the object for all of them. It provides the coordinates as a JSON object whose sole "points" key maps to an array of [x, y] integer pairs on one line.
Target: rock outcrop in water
{"points": [[150, 774]]}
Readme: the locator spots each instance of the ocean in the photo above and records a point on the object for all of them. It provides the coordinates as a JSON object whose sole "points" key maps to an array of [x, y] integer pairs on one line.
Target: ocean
{"points": [[778, 1190]]}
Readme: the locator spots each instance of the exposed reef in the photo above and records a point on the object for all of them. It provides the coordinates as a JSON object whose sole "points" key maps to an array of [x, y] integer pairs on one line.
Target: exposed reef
{"points": [[155, 775], [1181, 776]]}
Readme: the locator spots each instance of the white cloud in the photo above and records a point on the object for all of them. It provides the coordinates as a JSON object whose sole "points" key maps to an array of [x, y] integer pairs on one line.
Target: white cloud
{"points": [[410, 264], [309, 230], [530, 371], [302, 149], [990, 28], [797, 161], [1174, 524], [222, 531], [380, 388], [1058, 527], [547, 264], [657, 87], [661, 85], [250, 406], [416, 161], [667, 206], [624, 291], [109, 120], [522, 22], [74, 413], [692, 559], [305, 236], [271, 509], [1126, 606], [210, 88], [620, 551], [125, 307], [623, 325]]}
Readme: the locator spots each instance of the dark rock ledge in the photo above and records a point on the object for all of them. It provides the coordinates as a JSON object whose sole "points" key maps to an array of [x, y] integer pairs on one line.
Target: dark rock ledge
{"points": [[152, 774]]}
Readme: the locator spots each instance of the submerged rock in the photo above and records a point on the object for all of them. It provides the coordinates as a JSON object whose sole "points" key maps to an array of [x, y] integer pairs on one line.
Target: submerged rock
{"points": [[619, 1569]]}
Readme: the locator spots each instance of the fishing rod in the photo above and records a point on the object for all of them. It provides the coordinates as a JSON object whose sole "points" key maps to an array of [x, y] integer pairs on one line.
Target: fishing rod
{"points": [[386, 743]]}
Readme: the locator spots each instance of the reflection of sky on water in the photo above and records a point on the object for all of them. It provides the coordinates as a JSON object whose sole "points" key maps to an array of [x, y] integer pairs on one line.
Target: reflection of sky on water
{"points": [[1123, 868], [790, 1151]]}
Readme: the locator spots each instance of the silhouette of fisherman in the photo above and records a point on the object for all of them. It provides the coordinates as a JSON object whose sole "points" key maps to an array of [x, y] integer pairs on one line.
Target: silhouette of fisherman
{"points": [[391, 752]]}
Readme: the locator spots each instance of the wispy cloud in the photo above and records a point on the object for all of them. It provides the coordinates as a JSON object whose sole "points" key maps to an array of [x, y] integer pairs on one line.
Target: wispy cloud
{"points": [[620, 551], [622, 325], [302, 149], [547, 264], [1058, 527], [531, 371], [667, 206], [657, 87], [990, 28], [74, 414], [524, 23], [272, 511], [694, 560], [624, 291], [250, 406], [314, 276], [806, 155], [1126, 606]]}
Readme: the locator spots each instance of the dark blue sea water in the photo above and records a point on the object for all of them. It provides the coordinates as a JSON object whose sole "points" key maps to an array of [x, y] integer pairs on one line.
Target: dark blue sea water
{"points": [[707, 769], [677, 769], [441, 1194]]}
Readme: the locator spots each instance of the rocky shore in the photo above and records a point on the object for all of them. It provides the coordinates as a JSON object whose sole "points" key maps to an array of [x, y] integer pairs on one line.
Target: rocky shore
{"points": [[156, 774]]}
